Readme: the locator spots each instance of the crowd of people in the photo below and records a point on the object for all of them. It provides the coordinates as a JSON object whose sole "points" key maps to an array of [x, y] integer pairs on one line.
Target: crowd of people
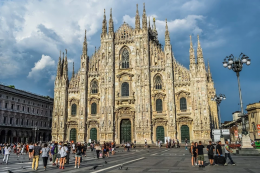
{"points": [[57, 153]]}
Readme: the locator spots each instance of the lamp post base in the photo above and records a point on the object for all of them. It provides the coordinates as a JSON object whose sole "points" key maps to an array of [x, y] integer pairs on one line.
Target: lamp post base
{"points": [[246, 142]]}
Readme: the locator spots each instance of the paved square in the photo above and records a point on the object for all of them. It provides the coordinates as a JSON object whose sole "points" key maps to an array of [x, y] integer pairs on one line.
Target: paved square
{"points": [[137, 160]]}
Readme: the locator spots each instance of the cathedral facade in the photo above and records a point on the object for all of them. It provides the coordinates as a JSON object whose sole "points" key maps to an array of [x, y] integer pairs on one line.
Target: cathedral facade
{"points": [[133, 89]]}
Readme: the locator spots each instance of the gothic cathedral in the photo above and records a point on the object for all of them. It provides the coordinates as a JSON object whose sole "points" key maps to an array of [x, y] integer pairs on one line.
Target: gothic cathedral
{"points": [[133, 89]]}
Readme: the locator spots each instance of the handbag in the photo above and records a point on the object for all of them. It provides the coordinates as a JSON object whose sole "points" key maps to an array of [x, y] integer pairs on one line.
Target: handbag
{"points": [[58, 155]]}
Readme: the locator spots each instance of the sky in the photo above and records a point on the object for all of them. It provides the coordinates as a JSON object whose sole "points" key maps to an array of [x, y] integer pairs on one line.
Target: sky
{"points": [[32, 33]]}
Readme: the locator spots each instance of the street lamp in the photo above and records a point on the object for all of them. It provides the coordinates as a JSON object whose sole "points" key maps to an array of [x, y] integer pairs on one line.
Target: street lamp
{"points": [[218, 99], [35, 129], [236, 64]]}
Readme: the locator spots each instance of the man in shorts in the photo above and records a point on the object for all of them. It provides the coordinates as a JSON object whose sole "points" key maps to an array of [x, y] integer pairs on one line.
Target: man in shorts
{"points": [[211, 150], [200, 154]]}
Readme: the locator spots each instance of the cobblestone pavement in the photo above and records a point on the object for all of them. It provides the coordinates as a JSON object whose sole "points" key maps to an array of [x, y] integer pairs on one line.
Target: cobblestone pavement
{"points": [[137, 160]]}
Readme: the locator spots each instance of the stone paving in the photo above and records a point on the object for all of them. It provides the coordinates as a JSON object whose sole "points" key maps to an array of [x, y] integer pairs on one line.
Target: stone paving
{"points": [[138, 160]]}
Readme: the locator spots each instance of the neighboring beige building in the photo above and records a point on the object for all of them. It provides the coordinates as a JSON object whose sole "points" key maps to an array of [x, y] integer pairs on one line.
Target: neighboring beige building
{"points": [[133, 89], [254, 120]]}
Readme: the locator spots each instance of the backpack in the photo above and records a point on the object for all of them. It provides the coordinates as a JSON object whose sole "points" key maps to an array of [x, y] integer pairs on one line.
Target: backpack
{"points": [[52, 149], [211, 150]]}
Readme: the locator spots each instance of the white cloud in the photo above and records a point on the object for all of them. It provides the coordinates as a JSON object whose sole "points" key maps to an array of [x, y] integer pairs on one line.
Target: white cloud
{"points": [[37, 71]]}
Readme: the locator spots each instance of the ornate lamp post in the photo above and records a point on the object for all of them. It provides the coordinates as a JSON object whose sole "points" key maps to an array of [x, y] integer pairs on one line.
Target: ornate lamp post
{"points": [[236, 64], [218, 99]]}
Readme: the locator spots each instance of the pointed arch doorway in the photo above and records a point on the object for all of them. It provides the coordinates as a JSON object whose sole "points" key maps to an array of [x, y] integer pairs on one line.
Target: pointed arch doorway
{"points": [[73, 135], [125, 131]]}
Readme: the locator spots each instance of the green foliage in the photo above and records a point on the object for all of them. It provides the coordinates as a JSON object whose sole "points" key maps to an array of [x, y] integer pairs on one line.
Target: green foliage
{"points": [[12, 86]]}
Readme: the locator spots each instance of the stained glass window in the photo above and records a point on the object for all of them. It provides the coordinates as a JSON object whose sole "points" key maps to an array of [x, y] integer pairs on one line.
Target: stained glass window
{"points": [[125, 58], [158, 82], [73, 109], [94, 108], [125, 89], [183, 104], [94, 87], [159, 105]]}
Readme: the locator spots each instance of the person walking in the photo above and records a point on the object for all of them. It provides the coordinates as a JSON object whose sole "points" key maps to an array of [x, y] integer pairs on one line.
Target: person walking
{"points": [[45, 151], [211, 149], [227, 154], [79, 151], [195, 153], [145, 143], [36, 154], [7, 152], [186, 145], [63, 154], [31, 151], [54, 151], [68, 153], [98, 149], [200, 154], [192, 153]]}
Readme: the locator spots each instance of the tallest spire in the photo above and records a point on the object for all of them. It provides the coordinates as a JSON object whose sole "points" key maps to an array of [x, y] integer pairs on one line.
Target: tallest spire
{"points": [[85, 49], [144, 19], [137, 19]]}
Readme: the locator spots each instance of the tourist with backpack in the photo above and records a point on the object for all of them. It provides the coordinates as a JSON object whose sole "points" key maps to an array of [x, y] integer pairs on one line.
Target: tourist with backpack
{"points": [[200, 154], [54, 152], [227, 154], [211, 150], [45, 151]]}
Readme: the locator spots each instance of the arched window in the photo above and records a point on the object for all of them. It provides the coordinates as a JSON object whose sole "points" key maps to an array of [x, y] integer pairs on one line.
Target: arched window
{"points": [[73, 109], [159, 105], [94, 87], [94, 108], [125, 89], [158, 82], [183, 104], [125, 58]]}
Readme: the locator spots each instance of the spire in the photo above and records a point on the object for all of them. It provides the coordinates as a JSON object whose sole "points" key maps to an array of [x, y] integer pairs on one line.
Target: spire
{"points": [[104, 25], [199, 52], [192, 56], [137, 18], [62, 64], [73, 73], [209, 73], [167, 36], [85, 48], [149, 22], [65, 67], [111, 23], [59, 67], [144, 19], [154, 26]]}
